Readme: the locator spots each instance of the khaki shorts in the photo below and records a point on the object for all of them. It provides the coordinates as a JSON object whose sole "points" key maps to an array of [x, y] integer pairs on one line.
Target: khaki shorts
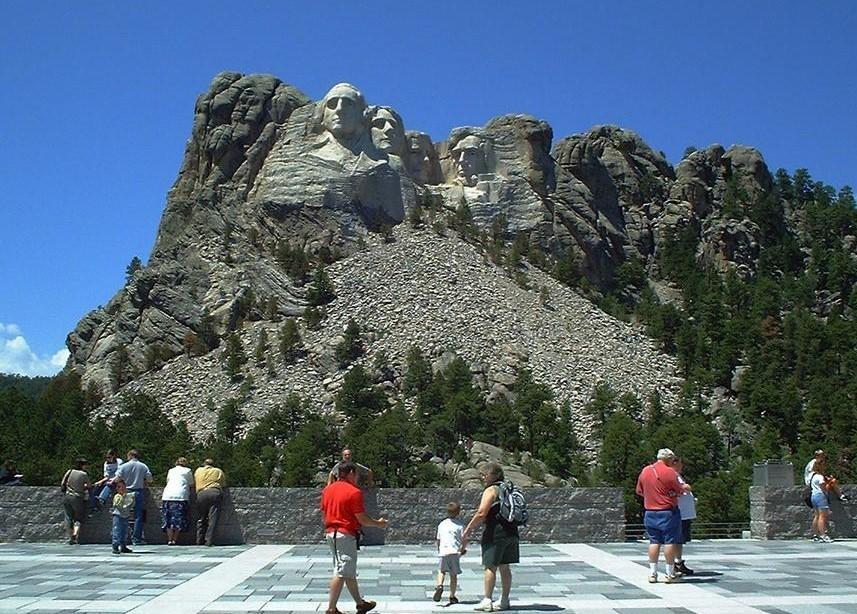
{"points": [[343, 547]]}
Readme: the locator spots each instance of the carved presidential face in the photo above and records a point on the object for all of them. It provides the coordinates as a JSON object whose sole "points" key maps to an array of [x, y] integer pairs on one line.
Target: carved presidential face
{"points": [[469, 158], [388, 134], [343, 111], [417, 159]]}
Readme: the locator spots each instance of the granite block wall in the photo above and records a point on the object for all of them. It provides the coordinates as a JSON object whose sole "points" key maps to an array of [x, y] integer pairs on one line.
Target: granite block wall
{"points": [[291, 515], [780, 513]]}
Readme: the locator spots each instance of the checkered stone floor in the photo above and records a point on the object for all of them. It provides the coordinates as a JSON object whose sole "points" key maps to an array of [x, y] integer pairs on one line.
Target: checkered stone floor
{"points": [[733, 576]]}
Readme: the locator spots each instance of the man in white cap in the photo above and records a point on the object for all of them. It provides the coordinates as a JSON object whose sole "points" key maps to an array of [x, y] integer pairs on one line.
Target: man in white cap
{"points": [[660, 488]]}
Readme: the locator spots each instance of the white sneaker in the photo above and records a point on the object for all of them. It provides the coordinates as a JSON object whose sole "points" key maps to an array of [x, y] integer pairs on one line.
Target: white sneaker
{"points": [[653, 578], [826, 538], [504, 605], [485, 606]]}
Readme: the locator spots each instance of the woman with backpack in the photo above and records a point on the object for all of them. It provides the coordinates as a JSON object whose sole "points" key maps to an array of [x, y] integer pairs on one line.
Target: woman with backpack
{"points": [[499, 540]]}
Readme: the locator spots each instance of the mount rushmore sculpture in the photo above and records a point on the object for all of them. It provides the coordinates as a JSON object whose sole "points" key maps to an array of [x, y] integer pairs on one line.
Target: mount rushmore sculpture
{"points": [[267, 167]]}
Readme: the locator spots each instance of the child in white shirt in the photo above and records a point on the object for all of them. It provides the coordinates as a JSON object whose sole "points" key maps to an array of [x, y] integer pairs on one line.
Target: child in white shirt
{"points": [[449, 549]]}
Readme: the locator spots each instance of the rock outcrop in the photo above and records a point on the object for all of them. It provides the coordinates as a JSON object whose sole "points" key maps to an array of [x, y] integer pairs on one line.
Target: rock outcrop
{"points": [[269, 172]]}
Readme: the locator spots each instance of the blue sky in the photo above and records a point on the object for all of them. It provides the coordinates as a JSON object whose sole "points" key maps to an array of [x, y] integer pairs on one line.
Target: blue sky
{"points": [[97, 103]]}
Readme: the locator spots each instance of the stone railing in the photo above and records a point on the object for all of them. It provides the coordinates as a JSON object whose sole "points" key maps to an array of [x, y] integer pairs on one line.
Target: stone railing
{"points": [[780, 513], [291, 515]]}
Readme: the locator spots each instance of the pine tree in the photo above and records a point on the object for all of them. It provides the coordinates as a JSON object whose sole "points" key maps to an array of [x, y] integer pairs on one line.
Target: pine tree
{"points": [[234, 357], [321, 291], [133, 266], [313, 317], [291, 344], [418, 374], [260, 354], [230, 419], [351, 347]]}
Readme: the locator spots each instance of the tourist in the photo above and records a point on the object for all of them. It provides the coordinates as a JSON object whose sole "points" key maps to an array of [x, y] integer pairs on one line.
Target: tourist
{"points": [[449, 550], [9, 475], [74, 485], [123, 504], [659, 486], [687, 510], [819, 489], [103, 488], [210, 483], [809, 469], [175, 500], [499, 540], [344, 514], [365, 477], [136, 476]]}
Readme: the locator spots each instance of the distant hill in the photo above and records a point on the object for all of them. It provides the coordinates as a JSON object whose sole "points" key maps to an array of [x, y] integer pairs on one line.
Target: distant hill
{"points": [[31, 387]]}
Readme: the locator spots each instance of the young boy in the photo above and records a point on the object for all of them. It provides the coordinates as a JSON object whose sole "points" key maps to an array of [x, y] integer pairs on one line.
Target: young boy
{"points": [[450, 549], [123, 507]]}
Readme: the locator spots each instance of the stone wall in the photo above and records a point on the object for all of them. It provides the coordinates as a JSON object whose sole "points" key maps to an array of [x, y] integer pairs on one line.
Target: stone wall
{"points": [[780, 513], [290, 515]]}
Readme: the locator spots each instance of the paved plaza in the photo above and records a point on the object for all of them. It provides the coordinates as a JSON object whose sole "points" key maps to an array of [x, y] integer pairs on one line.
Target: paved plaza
{"points": [[732, 576]]}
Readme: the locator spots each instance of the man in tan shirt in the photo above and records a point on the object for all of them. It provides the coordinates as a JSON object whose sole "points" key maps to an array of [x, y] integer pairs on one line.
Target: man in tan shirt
{"points": [[210, 482]]}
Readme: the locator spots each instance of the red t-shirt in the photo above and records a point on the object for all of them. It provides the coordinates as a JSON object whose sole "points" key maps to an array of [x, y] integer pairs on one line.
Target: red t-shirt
{"points": [[659, 487], [340, 504]]}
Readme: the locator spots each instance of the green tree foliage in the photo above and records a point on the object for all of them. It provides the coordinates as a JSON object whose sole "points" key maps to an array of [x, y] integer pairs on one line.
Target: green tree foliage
{"points": [[230, 419], [313, 317], [358, 400], [462, 220], [321, 292], [418, 374], [133, 266], [567, 271], [263, 346], [415, 216], [351, 346], [234, 357], [291, 344], [602, 405], [294, 261], [31, 387]]}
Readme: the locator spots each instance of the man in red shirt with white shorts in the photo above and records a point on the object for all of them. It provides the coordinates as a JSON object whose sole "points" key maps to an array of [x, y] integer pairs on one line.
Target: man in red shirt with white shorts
{"points": [[344, 514], [659, 486]]}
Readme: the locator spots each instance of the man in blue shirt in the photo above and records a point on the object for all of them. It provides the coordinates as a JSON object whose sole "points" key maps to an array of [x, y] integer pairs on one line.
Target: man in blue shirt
{"points": [[136, 476]]}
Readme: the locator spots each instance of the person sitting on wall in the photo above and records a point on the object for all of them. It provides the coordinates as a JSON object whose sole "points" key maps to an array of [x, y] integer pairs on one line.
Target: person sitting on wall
{"points": [[365, 477], [9, 475]]}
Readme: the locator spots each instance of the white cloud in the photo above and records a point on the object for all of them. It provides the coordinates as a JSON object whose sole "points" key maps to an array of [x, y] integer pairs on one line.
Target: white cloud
{"points": [[9, 329], [16, 356]]}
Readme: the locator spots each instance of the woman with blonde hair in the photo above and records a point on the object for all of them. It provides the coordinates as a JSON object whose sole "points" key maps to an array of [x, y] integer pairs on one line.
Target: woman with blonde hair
{"points": [[175, 500]]}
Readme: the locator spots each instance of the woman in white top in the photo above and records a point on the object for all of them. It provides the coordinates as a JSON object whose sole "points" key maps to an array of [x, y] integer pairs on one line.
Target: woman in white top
{"points": [[820, 502], [175, 500]]}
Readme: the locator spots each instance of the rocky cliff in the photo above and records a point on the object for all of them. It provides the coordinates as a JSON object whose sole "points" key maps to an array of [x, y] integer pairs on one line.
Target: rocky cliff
{"points": [[268, 174]]}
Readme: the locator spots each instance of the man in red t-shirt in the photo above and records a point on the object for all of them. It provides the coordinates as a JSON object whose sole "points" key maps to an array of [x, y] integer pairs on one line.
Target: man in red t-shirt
{"points": [[659, 486], [344, 514]]}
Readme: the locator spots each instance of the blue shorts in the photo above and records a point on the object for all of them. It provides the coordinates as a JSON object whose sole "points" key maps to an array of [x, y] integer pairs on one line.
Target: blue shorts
{"points": [[819, 501], [663, 526]]}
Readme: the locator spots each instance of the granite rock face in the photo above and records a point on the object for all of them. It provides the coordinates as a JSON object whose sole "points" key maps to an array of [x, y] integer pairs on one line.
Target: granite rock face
{"points": [[266, 169]]}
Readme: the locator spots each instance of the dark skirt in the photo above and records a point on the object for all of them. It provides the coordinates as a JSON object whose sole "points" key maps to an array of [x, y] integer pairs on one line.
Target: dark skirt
{"points": [[174, 515]]}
